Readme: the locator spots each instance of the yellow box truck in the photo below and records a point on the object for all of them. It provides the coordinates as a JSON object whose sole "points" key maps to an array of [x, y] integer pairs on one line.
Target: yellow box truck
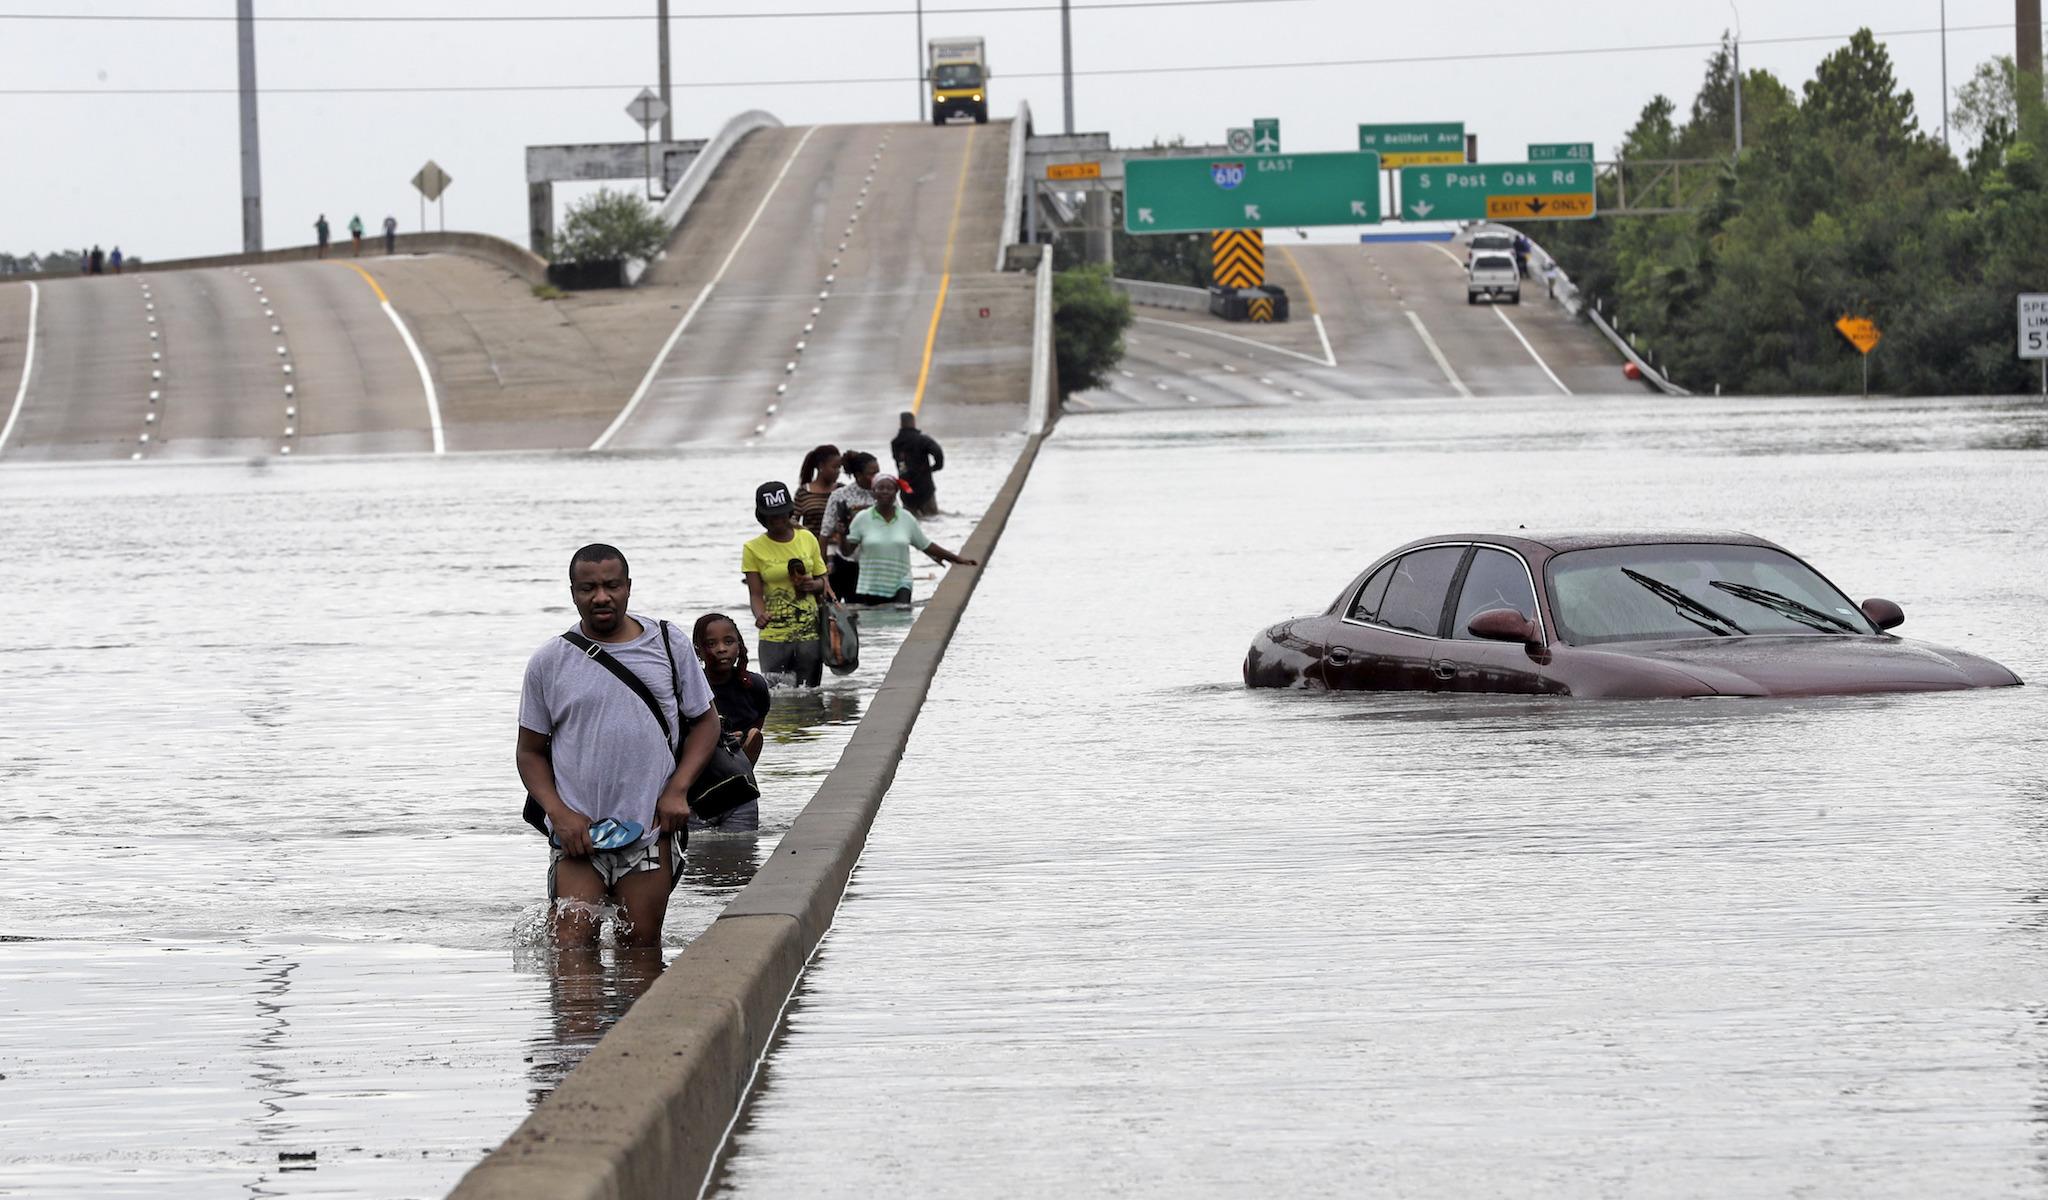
{"points": [[959, 78]]}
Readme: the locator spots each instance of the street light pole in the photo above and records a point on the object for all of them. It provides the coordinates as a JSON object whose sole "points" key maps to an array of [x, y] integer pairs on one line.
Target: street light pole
{"points": [[1944, 74], [668, 128], [1067, 59], [921, 80], [252, 160]]}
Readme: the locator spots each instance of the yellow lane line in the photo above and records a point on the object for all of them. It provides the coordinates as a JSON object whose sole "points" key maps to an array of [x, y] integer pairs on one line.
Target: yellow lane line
{"points": [[1315, 311], [931, 335], [369, 279], [1302, 275]]}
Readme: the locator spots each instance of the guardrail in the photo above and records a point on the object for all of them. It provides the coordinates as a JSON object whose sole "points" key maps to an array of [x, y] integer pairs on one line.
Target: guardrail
{"points": [[1045, 375], [1013, 183], [1163, 295], [1566, 293], [494, 250], [698, 174]]}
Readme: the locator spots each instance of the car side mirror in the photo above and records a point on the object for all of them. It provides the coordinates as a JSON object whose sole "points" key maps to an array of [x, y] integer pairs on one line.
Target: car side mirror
{"points": [[1883, 613], [1503, 625]]}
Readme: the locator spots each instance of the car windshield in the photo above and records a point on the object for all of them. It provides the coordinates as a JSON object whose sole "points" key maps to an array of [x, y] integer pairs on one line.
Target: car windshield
{"points": [[1653, 593], [1492, 241], [957, 75], [1493, 262]]}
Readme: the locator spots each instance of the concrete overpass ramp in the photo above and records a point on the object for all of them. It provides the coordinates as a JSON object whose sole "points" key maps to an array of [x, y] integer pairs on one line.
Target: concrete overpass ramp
{"points": [[832, 276]]}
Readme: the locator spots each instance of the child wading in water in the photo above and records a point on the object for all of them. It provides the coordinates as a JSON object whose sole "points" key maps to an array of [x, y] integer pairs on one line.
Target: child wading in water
{"points": [[741, 698]]}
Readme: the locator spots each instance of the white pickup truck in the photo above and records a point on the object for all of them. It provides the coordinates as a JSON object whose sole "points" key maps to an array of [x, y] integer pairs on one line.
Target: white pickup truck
{"points": [[1493, 276]]}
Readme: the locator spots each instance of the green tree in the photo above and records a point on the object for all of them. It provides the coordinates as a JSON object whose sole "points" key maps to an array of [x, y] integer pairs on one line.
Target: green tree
{"points": [[609, 226], [1089, 319]]}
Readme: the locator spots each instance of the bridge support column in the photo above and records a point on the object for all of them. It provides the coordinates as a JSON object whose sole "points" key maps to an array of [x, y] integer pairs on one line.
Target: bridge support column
{"points": [[540, 218], [1098, 238]]}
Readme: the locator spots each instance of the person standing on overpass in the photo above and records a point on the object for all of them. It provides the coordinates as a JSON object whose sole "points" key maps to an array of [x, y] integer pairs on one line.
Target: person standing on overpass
{"points": [[917, 457], [390, 234], [114, 260], [320, 231], [355, 232]]}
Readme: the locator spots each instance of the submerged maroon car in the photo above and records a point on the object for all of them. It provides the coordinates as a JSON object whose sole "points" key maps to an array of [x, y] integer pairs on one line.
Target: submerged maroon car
{"points": [[1641, 615]]}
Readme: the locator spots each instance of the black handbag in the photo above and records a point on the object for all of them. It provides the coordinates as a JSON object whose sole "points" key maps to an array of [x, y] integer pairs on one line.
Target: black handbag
{"points": [[723, 785]]}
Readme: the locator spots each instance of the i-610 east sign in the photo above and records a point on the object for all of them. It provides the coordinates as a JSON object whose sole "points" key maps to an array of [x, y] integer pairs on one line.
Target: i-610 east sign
{"points": [[1554, 191], [1188, 195]]}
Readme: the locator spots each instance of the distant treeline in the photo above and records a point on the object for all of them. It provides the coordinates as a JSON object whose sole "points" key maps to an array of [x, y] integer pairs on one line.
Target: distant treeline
{"points": [[1839, 205]]}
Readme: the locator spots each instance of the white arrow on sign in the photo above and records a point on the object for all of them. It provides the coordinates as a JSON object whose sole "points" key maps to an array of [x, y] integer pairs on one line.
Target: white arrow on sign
{"points": [[1422, 209], [1251, 212], [1358, 209], [1145, 217]]}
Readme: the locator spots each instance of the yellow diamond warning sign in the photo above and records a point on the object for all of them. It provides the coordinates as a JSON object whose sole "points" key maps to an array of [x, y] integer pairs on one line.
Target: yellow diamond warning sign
{"points": [[1507, 208], [1862, 333]]}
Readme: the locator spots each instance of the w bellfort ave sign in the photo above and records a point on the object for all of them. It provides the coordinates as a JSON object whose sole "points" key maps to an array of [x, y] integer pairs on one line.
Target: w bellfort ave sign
{"points": [[1196, 194]]}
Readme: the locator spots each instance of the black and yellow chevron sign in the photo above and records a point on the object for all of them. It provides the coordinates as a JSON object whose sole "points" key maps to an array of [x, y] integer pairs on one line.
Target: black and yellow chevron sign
{"points": [[1239, 256], [1261, 309]]}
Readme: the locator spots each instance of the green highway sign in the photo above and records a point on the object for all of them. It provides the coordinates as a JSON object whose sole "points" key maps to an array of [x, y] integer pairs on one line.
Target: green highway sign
{"points": [[1552, 191], [1560, 151], [1189, 195], [1414, 145], [1266, 135]]}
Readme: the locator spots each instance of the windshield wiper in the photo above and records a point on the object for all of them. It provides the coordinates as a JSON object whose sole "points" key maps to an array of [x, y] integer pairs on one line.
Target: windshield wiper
{"points": [[1787, 607], [1689, 608]]}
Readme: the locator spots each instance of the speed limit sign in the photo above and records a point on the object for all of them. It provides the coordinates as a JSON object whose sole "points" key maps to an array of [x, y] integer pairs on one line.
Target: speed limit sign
{"points": [[2034, 325]]}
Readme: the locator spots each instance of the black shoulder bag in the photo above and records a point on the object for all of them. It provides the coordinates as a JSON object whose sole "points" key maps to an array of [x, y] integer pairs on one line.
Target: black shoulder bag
{"points": [[719, 788]]}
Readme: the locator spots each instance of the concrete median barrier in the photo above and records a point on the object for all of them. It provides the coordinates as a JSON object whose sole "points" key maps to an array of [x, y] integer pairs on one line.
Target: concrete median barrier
{"points": [[646, 1114], [494, 250]]}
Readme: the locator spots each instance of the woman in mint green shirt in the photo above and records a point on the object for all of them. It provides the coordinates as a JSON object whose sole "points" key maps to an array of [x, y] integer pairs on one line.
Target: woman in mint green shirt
{"points": [[886, 534]]}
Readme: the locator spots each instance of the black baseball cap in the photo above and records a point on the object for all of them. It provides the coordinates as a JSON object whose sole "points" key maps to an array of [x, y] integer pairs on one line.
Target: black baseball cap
{"points": [[771, 499]]}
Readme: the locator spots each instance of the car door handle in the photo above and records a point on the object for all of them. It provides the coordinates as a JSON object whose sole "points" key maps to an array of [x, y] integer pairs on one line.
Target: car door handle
{"points": [[1339, 656], [1443, 670]]}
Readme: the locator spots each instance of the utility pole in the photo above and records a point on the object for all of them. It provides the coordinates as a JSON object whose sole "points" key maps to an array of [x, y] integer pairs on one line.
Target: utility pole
{"points": [[1067, 58], [2027, 54], [1738, 97], [252, 164], [921, 80], [668, 116], [1944, 74]]}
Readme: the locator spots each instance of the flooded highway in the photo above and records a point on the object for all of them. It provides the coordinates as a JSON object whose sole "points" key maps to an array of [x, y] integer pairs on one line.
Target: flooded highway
{"points": [[264, 891], [1124, 927]]}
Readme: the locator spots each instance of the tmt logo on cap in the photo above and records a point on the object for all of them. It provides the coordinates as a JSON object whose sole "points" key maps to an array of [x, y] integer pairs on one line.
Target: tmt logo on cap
{"points": [[772, 499]]}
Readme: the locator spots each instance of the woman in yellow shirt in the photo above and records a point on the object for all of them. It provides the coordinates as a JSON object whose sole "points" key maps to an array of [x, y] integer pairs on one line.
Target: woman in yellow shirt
{"points": [[785, 573]]}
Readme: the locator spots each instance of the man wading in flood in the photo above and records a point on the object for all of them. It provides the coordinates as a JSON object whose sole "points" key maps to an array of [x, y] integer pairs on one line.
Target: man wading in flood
{"points": [[592, 751]]}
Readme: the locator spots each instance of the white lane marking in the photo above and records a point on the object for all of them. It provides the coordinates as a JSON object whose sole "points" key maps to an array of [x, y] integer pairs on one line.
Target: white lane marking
{"points": [[1231, 337], [1532, 351], [426, 379], [28, 363], [1512, 328], [1324, 334], [654, 368], [1436, 352]]}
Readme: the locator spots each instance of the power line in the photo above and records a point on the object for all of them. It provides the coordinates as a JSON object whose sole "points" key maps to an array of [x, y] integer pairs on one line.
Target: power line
{"points": [[1393, 61], [538, 18]]}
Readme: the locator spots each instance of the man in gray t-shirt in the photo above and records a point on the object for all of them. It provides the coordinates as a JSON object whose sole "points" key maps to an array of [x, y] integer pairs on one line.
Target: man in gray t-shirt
{"points": [[591, 750]]}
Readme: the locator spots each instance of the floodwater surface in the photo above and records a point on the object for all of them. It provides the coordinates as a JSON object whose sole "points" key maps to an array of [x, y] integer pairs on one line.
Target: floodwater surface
{"points": [[1126, 928], [264, 890]]}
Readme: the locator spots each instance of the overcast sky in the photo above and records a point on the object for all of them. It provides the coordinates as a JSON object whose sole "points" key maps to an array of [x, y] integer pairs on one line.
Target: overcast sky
{"points": [[159, 175]]}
